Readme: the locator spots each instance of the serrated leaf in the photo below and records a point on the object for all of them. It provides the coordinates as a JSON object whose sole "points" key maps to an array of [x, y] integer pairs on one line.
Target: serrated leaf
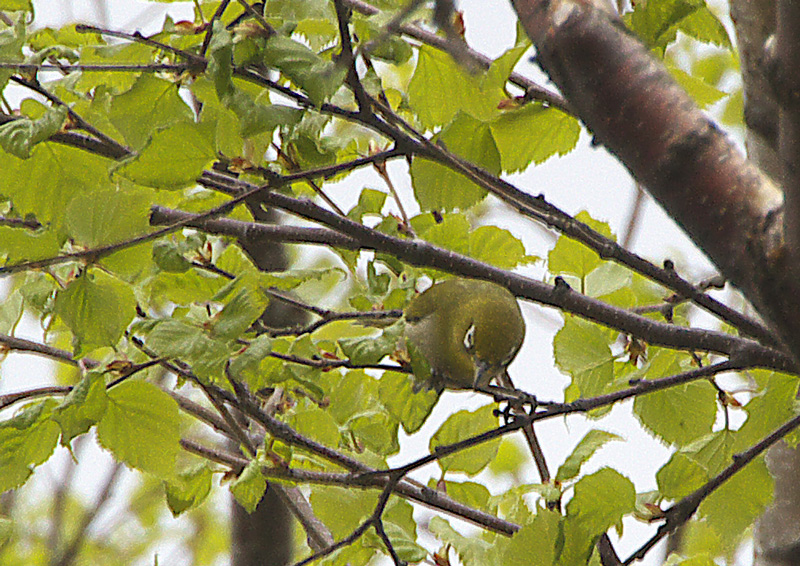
{"points": [[410, 408], [317, 424], [469, 493], [247, 365], [498, 247], [600, 501], [141, 427], [405, 547], [173, 158], [122, 215], [363, 350], [546, 132], [11, 312], [462, 425], [82, 408], [249, 487], [657, 23], [680, 476], [538, 537], [341, 509], [26, 440], [97, 308], [664, 413], [239, 313], [470, 549], [377, 431], [703, 93], [581, 349], [168, 256], [18, 137], [773, 405], [189, 489], [570, 257], [588, 445], [150, 96], [440, 89], [34, 189], [439, 188], [318, 77], [738, 502]]}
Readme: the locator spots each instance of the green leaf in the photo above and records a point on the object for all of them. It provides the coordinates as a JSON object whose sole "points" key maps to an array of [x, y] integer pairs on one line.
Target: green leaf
{"points": [[18, 244], [249, 487], [469, 493], [533, 134], [318, 77], [589, 444], [35, 189], [168, 256], [173, 158], [342, 509], [11, 312], [370, 203], [247, 365], [177, 339], [404, 545], [680, 476], [680, 414], [581, 349], [411, 408], [459, 426], [189, 489], [538, 537], [773, 405], [26, 440], [82, 408], [377, 431], [352, 394], [155, 98], [317, 424], [657, 23], [239, 313], [141, 427], [440, 188], [498, 247], [18, 137], [600, 501], [14, 5], [122, 216], [97, 308], [703, 93], [470, 549], [570, 257], [12, 39], [732, 509], [510, 458], [440, 89], [369, 349]]}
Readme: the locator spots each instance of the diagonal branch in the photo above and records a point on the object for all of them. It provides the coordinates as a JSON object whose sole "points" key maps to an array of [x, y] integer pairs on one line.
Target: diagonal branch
{"points": [[727, 206]]}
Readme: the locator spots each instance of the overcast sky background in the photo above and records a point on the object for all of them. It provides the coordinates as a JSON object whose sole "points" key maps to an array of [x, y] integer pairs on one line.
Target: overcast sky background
{"points": [[588, 178]]}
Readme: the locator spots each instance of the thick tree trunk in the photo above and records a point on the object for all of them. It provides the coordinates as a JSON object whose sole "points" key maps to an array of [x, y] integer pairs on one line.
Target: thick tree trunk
{"points": [[730, 207], [777, 533]]}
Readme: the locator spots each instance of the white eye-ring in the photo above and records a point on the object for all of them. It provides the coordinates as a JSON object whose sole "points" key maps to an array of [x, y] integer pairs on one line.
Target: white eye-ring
{"points": [[469, 338]]}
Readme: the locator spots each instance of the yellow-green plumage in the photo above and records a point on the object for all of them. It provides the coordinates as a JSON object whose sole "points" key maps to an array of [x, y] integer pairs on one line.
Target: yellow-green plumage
{"points": [[467, 330]]}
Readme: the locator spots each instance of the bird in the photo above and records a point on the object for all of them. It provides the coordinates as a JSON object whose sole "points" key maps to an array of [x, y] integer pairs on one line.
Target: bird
{"points": [[467, 330]]}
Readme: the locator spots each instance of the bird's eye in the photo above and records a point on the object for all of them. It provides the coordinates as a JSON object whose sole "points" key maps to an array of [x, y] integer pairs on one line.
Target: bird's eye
{"points": [[469, 338]]}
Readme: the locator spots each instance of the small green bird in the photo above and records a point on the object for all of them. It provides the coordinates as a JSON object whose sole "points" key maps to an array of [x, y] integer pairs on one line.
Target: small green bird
{"points": [[467, 330]]}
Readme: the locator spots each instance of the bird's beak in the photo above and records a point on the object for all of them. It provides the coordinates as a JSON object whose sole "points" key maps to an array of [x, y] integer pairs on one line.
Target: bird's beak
{"points": [[484, 374]]}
